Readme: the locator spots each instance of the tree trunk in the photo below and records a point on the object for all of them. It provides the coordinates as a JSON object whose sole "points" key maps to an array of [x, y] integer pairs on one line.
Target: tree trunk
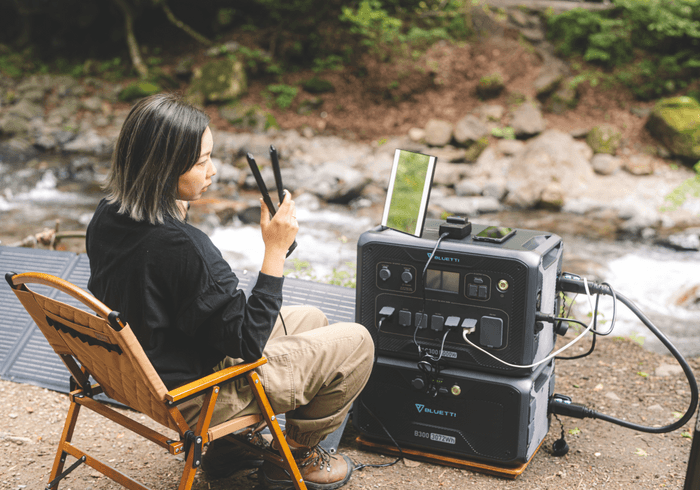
{"points": [[134, 50], [177, 22]]}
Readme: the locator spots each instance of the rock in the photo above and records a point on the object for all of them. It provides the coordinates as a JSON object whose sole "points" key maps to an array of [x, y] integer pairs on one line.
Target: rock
{"points": [[527, 121], [26, 109], [510, 147], [605, 164], [564, 98], [665, 370], [639, 165], [228, 47], [183, 68], [67, 108], [93, 104], [468, 206], [335, 182], [549, 79], [551, 157], [220, 80], [687, 240], [604, 139], [584, 150], [227, 173], [416, 134], [610, 395], [448, 174], [89, 142], [471, 154], [497, 190], [676, 123], [552, 196], [317, 85], [449, 154], [533, 35], [490, 86], [138, 90], [12, 124], [467, 187], [469, 129], [438, 132], [491, 112], [246, 116]]}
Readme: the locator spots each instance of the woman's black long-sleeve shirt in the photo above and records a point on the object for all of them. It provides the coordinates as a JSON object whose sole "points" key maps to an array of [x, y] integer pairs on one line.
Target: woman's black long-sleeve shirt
{"points": [[178, 294]]}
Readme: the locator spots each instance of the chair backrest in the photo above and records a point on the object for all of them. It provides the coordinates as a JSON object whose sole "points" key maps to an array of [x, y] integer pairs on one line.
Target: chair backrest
{"points": [[106, 348]]}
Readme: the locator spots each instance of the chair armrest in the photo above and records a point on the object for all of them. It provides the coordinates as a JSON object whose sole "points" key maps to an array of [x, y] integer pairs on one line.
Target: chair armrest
{"points": [[217, 378]]}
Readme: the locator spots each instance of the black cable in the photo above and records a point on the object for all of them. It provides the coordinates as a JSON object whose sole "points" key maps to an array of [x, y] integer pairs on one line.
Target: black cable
{"points": [[283, 324], [568, 283], [592, 347]]}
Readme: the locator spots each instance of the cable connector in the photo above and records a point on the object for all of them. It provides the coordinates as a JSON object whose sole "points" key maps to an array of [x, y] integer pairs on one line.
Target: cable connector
{"points": [[456, 227], [562, 405], [572, 283], [386, 312]]}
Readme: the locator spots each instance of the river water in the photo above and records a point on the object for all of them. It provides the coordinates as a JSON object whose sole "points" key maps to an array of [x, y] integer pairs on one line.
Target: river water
{"points": [[651, 276]]}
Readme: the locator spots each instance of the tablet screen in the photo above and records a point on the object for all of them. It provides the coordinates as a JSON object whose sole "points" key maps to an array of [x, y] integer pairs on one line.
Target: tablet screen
{"points": [[408, 192]]}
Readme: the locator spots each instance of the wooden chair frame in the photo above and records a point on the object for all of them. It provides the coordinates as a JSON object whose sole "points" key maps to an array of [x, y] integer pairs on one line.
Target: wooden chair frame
{"points": [[191, 439]]}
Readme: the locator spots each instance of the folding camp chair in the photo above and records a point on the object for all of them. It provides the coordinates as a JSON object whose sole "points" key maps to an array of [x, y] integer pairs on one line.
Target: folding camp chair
{"points": [[101, 346]]}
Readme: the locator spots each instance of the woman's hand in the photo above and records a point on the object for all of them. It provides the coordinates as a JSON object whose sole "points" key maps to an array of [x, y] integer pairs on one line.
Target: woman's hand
{"points": [[278, 234]]}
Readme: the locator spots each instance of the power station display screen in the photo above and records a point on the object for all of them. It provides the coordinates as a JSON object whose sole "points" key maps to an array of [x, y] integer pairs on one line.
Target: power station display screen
{"points": [[408, 192], [442, 281]]}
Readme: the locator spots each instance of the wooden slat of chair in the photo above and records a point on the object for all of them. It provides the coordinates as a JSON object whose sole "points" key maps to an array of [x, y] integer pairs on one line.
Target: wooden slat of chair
{"points": [[209, 387]]}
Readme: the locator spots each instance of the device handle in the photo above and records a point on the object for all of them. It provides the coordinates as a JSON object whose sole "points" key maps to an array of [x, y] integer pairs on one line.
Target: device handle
{"points": [[265, 194], [276, 171]]}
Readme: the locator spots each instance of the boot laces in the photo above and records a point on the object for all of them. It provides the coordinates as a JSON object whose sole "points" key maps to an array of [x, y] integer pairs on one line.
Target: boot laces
{"points": [[312, 457]]}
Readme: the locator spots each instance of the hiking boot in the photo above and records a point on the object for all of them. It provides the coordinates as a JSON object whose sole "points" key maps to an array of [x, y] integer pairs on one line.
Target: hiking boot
{"points": [[224, 457], [320, 470]]}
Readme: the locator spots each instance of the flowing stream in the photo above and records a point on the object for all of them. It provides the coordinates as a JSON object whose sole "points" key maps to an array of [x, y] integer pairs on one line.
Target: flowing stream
{"points": [[652, 277]]}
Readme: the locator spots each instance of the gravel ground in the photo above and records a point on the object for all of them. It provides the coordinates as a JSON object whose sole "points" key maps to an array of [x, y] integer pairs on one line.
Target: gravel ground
{"points": [[620, 378]]}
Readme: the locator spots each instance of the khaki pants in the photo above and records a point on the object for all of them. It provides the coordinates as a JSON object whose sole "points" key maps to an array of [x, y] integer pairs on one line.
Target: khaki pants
{"points": [[313, 374]]}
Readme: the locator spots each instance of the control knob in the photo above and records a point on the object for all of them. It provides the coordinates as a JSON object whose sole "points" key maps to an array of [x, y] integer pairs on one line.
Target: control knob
{"points": [[418, 383]]}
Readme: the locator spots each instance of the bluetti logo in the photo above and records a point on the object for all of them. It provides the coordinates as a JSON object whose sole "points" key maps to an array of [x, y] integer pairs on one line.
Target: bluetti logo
{"points": [[423, 409], [442, 259]]}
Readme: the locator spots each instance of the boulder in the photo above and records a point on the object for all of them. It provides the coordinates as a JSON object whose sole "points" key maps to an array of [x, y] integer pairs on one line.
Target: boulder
{"points": [[527, 121], [490, 86], [549, 80], [491, 112], [469, 129], [244, 116], [676, 123], [468, 206], [335, 182], [563, 99], [138, 90], [416, 134], [438, 132], [316, 85], [605, 164], [89, 142], [220, 80], [639, 165], [550, 158], [604, 138]]}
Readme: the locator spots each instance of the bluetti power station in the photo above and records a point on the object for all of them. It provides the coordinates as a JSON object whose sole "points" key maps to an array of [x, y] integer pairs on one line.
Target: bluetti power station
{"points": [[462, 364]]}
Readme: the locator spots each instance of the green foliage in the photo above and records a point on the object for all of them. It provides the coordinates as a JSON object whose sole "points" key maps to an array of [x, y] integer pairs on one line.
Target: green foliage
{"points": [[689, 188], [506, 133], [330, 62], [283, 94], [137, 90], [664, 34], [258, 61]]}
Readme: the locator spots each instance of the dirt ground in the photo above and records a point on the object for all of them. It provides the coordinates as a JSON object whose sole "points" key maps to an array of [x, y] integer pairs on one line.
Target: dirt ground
{"points": [[620, 378]]}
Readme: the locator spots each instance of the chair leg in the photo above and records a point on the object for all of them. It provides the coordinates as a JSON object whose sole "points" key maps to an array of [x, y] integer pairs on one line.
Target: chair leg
{"points": [[66, 437], [268, 414], [192, 465]]}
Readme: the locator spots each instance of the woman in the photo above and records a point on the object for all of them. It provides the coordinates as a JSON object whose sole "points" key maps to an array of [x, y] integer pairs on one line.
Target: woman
{"points": [[181, 299]]}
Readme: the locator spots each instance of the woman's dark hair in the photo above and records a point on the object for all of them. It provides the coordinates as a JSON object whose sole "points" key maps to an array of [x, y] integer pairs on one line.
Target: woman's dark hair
{"points": [[160, 140]]}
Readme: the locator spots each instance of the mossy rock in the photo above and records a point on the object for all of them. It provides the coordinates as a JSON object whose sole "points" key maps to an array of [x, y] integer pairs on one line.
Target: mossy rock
{"points": [[245, 116], [318, 85], [604, 139], [676, 123], [475, 149], [490, 86], [220, 80], [137, 90]]}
